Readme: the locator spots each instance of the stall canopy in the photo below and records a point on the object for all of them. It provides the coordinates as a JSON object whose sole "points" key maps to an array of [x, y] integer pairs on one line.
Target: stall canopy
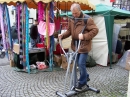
{"points": [[108, 12], [65, 4], [30, 3], [61, 4]]}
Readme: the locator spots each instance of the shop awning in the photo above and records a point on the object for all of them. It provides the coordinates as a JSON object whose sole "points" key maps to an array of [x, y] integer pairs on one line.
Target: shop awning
{"points": [[30, 3], [61, 4], [65, 4]]}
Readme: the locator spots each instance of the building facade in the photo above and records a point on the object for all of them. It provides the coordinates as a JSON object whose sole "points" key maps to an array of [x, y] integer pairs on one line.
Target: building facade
{"points": [[122, 4]]}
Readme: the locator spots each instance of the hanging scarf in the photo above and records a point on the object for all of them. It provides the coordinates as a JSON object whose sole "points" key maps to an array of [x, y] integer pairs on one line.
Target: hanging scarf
{"points": [[41, 14], [47, 27], [18, 19], [8, 27], [27, 39], [24, 33], [51, 49], [40, 11], [2, 27], [9, 43], [5, 31], [21, 36]]}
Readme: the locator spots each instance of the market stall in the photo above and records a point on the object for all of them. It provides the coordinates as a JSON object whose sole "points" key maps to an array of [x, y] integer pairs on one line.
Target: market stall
{"points": [[45, 12]]}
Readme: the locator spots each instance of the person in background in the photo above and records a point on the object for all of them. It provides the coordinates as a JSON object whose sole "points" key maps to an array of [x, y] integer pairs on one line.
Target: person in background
{"points": [[14, 33], [118, 50], [74, 29], [34, 35]]}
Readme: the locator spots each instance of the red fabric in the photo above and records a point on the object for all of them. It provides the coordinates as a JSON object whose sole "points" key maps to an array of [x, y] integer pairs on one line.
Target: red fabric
{"points": [[57, 23], [64, 23], [57, 52], [112, 0]]}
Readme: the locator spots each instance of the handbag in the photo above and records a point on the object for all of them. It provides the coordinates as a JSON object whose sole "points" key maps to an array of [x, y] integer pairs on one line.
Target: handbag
{"points": [[42, 28], [90, 62]]}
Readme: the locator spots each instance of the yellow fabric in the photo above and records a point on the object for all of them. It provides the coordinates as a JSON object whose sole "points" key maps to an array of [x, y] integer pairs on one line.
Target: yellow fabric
{"points": [[47, 28]]}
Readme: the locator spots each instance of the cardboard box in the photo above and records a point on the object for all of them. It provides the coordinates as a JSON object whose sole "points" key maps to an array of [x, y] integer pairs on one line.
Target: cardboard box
{"points": [[127, 66], [64, 63], [12, 63], [57, 59], [16, 48]]}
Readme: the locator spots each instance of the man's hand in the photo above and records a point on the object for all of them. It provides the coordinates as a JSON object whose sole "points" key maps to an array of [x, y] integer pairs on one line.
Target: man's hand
{"points": [[60, 36], [80, 36]]}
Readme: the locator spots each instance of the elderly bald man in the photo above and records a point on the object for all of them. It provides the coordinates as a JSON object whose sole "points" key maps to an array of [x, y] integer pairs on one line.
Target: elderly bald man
{"points": [[74, 29]]}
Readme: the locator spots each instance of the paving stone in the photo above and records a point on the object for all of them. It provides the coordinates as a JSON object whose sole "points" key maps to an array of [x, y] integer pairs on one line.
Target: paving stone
{"points": [[111, 82]]}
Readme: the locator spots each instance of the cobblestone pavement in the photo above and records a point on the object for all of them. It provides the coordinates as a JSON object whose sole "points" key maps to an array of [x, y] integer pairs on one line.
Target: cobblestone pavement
{"points": [[4, 62], [111, 82]]}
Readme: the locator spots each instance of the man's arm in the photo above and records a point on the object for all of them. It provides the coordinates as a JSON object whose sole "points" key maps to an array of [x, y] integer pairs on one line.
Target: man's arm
{"points": [[68, 32], [92, 28]]}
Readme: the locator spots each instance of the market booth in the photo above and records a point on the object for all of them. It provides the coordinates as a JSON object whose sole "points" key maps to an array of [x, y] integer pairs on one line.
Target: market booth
{"points": [[104, 18], [45, 11]]}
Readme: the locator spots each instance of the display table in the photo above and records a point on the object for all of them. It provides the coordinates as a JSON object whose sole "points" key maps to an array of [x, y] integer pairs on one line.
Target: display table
{"points": [[35, 54], [36, 50]]}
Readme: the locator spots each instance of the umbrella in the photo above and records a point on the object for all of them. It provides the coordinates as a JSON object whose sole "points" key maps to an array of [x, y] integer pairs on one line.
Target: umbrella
{"points": [[65, 4]]}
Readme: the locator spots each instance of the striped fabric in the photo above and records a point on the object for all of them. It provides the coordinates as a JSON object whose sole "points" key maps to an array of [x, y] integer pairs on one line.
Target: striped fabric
{"points": [[51, 49], [21, 36], [24, 33], [27, 38], [2, 26], [5, 31]]}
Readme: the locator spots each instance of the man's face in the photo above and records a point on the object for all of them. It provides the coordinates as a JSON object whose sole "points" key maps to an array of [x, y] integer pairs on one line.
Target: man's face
{"points": [[75, 13], [36, 22]]}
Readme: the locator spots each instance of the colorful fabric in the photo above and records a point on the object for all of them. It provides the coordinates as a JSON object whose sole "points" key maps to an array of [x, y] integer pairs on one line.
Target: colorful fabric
{"points": [[51, 49], [5, 31], [8, 27], [41, 15], [24, 33], [47, 27], [21, 36], [41, 11], [27, 38], [18, 20], [2, 26], [42, 28]]}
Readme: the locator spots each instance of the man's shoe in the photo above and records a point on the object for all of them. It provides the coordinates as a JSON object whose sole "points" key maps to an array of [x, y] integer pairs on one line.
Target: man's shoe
{"points": [[81, 87], [88, 79]]}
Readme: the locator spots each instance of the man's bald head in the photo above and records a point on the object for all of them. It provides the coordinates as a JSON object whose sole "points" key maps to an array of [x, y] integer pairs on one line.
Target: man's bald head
{"points": [[76, 10], [75, 6]]}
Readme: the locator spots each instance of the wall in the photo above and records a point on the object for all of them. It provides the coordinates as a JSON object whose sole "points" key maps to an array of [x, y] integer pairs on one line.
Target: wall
{"points": [[95, 2]]}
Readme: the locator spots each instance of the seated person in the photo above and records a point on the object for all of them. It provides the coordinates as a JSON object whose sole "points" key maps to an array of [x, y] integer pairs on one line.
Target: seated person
{"points": [[34, 35]]}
